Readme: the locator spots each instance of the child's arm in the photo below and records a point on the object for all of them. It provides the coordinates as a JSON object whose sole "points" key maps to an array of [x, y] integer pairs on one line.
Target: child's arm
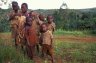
{"points": [[27, 36], [51, 36], [54, 26], [11, 16], [52, 41]]}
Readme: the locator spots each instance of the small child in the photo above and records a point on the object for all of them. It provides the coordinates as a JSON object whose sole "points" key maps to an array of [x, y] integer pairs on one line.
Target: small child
{"points": [[31, 38], [47, 39], [42, 19], [50, 24]]}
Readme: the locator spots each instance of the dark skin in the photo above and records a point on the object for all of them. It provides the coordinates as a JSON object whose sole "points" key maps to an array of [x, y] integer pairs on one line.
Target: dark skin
{"points": [[24, 9], [32, 15], [41, 17], [50, 19], [15, 8], [44, 29], [28, 23]]}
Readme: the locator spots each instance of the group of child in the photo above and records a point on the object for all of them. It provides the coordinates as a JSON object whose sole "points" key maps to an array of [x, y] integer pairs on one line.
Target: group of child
{"points": [[29, 29]]}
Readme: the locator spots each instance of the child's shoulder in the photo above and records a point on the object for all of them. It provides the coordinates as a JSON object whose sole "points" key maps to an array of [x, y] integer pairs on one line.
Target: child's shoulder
{"points": [[49, 32]]}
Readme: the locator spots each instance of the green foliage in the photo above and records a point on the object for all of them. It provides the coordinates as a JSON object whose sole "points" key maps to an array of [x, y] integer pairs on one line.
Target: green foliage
{"points": [[75, 19], [4, 24], [83, 33], [66, 19]]}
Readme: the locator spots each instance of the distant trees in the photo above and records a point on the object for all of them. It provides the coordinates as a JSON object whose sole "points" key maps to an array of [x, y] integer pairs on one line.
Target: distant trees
{"points": [[4, 23], [70, 19], [67, 19]]}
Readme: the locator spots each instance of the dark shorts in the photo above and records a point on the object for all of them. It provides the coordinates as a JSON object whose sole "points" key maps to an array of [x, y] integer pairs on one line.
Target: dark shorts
{"points": [[48, 49]]}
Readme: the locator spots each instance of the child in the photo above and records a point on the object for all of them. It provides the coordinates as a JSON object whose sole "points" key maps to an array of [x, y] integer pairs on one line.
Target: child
{"points": [[35, 25], [41, 19], [24, 10], [47, 39], [50, 23], [13, 17], [31, 37]]}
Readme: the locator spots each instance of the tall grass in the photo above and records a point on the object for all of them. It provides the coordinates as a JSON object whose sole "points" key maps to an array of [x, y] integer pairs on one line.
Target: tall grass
{"points": [[70, 52], [10, 54]]}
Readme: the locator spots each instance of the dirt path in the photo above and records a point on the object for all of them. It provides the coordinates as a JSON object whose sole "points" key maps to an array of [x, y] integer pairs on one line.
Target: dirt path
{"points": [[76, 38], [61, 38]]}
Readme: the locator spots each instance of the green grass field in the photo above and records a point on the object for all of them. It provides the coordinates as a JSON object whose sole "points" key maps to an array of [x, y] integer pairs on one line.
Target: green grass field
{"points": [[65, 51], [69, 52], [76, 52]]}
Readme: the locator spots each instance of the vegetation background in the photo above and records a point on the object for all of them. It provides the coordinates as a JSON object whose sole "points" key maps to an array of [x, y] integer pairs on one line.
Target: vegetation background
{"points": [[74, 41], [65, 19]]}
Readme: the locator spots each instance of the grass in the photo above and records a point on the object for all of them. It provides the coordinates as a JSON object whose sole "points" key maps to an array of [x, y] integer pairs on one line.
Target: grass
{"points": [[10, 54], [69, 52], [75, 33], [73, 52]]}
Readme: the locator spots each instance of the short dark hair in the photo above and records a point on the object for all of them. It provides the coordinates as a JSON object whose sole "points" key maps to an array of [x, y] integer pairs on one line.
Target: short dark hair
{"points": [[44, 24], [25, 5], [50, 15], [14, 2]]}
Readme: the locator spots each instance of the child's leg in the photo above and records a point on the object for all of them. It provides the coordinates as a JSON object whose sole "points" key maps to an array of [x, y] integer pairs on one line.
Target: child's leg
{"points": [[32, 50], [28, 49], [44, 50], [50, 52], [37, 47]]}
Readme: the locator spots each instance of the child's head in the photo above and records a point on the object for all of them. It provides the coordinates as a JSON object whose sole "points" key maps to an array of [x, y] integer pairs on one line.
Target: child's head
{"points": [[50, 18], [28, 21], [42, 17], [32, 14], [15, 6], [44, 27], [24, 7]]}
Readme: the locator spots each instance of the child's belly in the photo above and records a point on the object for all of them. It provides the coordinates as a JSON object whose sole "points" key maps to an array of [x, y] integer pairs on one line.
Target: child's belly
{"points": [[33, 38]]}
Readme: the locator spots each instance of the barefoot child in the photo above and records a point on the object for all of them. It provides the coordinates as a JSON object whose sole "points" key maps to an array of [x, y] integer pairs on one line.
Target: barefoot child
{"points": [[31, 38], [50, 23], [35, 25], [47, 41], [13, 17]]}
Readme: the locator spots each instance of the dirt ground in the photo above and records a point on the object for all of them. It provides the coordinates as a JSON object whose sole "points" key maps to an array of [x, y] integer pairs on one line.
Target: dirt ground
{"points": [[62, 38], [76, 38]]}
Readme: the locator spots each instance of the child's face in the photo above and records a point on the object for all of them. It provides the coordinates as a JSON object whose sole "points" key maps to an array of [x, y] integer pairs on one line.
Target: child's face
{"points": [[32, 15], [29, 21], [44, 28], [41, 17], [50, 19], [15, 7], [24, 8]]}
